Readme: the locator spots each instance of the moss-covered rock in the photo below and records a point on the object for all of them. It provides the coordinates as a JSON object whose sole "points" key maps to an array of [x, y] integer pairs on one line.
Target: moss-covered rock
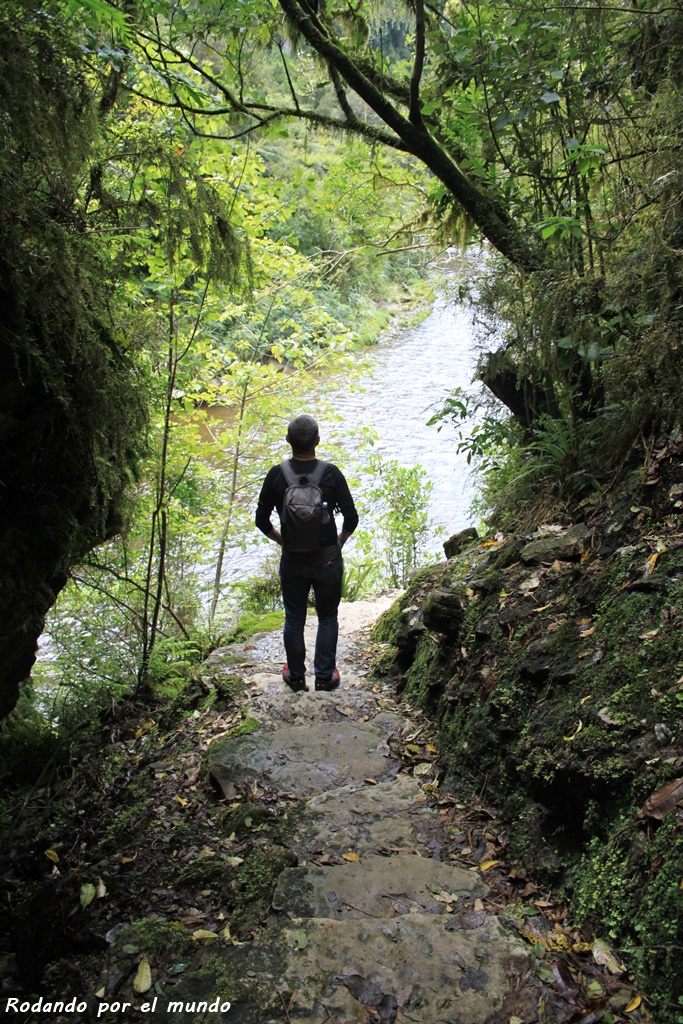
{"points": [[255, 885], [560, 693]]}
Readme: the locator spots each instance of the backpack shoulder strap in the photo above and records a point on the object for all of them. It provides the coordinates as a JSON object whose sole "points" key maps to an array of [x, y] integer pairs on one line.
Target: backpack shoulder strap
{"points": [[318, 473], [291, 479]]}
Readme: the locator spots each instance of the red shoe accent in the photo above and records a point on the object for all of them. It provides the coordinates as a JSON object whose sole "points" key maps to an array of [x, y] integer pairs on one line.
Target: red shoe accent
{"points": [[296, 685], [329, 684]]}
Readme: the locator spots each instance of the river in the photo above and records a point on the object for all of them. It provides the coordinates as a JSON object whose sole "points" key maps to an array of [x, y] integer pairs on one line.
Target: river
{"points": [[413, 371]]}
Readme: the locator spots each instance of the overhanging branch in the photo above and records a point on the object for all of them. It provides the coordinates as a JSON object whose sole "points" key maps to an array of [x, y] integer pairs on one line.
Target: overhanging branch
{"points": [[499, 231]]}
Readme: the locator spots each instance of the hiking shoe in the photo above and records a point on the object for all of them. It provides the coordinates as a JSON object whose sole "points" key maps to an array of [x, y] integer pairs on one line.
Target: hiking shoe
{"points": [[328, 684], [296, 685]]}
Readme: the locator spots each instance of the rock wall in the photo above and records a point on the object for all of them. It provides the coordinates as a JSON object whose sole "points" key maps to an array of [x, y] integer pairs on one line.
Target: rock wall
{"points": [[65, 451]]}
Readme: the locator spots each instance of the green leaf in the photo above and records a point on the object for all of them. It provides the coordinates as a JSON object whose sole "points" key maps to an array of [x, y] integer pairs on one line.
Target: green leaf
{"points": [[88, 892]]}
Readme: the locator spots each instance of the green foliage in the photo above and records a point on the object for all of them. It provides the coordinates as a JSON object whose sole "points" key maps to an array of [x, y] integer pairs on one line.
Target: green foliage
{"points": [[640, 911], [361, 577], [172, 664], [28, 745], [262, 592], [399, 500], [487, 441]]}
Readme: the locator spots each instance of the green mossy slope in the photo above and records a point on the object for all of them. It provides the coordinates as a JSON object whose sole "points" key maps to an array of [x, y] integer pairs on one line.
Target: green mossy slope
{"points": [[553, 664]]}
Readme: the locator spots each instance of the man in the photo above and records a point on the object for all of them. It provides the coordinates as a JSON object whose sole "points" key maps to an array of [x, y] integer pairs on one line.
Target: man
{"points": [[320, 568]]}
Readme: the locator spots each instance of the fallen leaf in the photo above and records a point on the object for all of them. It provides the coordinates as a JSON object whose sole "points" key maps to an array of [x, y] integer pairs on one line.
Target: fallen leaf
{"points": [[649, 634], [650, 563], [604, 716], [180, 800], [662, 800], [234, 862], [488, 864], [101, 889], [177, 969], [351, 856], [53, 856], [431, 748], [564, 981], [143, 978], [587, 632], [530, 584], [204, 935], [603, 955], [301, 939], [634, 1004], [445, 897], [88, 892], [577, 730]]}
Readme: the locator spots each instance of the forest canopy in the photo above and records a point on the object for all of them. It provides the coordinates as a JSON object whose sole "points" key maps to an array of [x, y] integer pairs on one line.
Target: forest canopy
{"points": [[551, 132]]}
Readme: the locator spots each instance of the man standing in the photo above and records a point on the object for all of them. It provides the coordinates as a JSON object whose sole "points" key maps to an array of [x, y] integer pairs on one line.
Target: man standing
{"points": [[306, 492]]}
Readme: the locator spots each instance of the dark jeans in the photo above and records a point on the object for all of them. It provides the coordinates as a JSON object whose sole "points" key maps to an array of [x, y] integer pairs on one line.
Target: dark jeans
{"points": [[298, 573]]}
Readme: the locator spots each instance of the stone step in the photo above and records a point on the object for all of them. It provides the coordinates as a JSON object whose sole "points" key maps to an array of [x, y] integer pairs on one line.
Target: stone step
{"points": [[416, 968], [301, 760], [386, 818], [377, 887]]}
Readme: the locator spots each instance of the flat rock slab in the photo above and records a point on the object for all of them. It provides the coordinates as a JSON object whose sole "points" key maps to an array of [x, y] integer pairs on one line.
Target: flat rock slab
{"points": [[415, 968], [567, 546], [310, 708], [375, 887], [300, 759], [371, 819]]}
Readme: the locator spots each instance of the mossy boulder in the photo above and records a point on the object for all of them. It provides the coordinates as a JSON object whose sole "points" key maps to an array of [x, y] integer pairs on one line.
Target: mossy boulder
{"points": [[444, 610], [255, 885], [455, 544]]}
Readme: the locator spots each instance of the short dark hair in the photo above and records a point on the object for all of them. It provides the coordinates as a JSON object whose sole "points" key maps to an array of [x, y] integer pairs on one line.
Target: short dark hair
{"points": [[302, 434]]}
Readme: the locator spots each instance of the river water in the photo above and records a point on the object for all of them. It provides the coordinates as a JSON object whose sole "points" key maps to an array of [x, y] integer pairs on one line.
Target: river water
{"points": [[413, 372]]}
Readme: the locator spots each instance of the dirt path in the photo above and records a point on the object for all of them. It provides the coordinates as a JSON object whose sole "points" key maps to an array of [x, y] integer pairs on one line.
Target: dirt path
{"points": [[374, 915]]}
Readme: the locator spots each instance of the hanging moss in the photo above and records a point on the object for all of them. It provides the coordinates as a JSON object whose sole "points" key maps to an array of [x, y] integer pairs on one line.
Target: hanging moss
{"points": [[72, 401]]}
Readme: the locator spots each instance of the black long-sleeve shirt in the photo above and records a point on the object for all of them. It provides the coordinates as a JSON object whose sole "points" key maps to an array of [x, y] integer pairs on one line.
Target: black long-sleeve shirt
{"points": [[335, 492]]}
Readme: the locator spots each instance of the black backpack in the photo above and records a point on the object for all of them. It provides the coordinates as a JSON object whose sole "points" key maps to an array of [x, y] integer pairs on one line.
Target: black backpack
{"points": [[302, 508]]}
